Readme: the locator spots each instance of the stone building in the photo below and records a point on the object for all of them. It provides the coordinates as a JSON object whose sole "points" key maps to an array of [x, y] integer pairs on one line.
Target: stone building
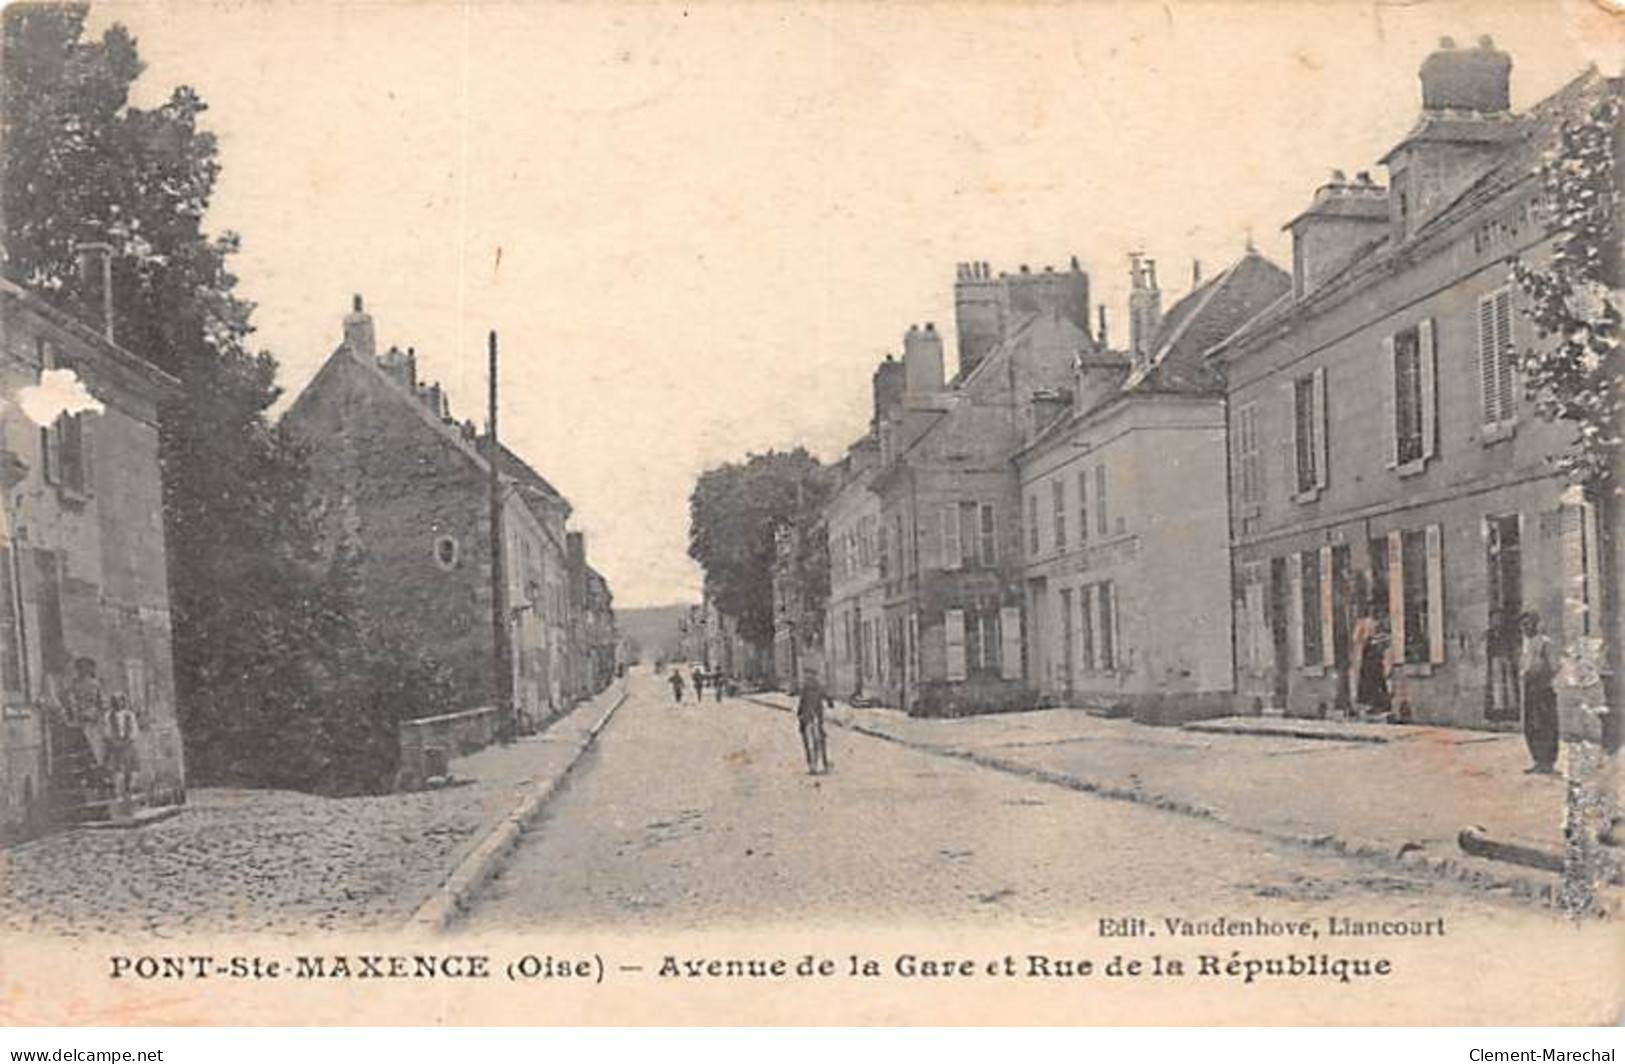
{"points": [[1388, 471], [82, 559], [1125, 530], [949, 501], [603, 641], [408, 486]]}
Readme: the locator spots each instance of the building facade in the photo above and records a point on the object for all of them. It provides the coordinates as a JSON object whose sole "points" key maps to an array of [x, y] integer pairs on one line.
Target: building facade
{"points": [[857, 653], [83, 579], [1125, 523], [409, 488], [1392, 502], [949, 498]]}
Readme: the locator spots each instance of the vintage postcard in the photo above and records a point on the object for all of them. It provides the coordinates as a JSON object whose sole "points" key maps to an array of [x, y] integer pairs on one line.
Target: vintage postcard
{"points": [[810, 513]]}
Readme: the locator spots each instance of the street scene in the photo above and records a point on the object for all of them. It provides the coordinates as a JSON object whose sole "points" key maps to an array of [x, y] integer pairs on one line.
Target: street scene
{"points": [[578, 469], [735, 836]]}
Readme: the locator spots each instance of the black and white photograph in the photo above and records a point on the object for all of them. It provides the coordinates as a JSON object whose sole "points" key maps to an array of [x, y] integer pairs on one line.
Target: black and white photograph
{"points": [[810, 513]]}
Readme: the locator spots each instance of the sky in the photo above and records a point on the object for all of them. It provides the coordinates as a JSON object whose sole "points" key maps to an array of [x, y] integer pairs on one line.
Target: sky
{"points": [[697, 228]]}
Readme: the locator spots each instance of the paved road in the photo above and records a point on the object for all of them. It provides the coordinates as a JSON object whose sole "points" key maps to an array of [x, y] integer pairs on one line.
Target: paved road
{"points": [[691, 817]]}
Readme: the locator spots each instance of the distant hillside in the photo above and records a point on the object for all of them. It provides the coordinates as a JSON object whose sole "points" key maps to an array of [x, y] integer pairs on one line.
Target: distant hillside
{"points": [[654, 628]]}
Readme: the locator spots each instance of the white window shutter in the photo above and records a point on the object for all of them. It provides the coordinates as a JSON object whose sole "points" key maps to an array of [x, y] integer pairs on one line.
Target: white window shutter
{"points": [[1290, 391], [1010, 642], [1390, 408], [1119, 651], [1328, 644], [1488, 361], [1435, 539], [950, 536], [953, 633], [1396, 596], [1321, 427], [1294, 607], [1256, 628], [1506, 369], [1430, 395]]}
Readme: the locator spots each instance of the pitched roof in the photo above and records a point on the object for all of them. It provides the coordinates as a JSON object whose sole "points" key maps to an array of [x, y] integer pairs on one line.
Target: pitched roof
{"points": [[1523, 143], [1201, 319]]}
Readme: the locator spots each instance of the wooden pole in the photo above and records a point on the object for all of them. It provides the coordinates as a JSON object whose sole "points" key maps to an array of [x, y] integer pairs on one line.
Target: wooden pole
{"points": [[501, 635]]}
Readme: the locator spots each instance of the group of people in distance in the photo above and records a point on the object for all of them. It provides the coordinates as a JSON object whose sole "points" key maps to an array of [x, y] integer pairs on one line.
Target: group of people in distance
{"points": [[810, 701]]}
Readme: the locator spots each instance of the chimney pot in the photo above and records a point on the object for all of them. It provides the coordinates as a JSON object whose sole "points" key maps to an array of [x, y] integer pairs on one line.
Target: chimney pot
{"points": [[1446, 43], [355, 303]]}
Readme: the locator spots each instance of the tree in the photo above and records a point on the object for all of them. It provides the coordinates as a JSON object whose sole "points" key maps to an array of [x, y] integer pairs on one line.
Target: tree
{"points": [[266, 637], [1574, 375], [735, 512]]}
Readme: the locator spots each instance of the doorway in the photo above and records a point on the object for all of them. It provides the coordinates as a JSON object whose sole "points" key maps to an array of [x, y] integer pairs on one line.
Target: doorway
{"points": [[1503, 560]]}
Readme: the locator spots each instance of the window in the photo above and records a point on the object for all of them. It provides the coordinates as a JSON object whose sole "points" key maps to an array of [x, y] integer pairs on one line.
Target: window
{"points": [[446, 552], [990, 542], [967, 533], [1058, 488], [881, 552], [1410, 358], [1249, 481], [1100, 499], [1086, 626], [1083, 508], [1106, 610], [1308, 595], [974, 639], [1032, 524], [1496, 372], [13, 641], [1415, 566], [1309, 433]]}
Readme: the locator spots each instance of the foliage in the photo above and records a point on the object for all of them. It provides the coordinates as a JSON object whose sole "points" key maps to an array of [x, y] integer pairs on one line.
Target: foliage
{"points": [[276, 684], [1574, 374], [735, 512]]}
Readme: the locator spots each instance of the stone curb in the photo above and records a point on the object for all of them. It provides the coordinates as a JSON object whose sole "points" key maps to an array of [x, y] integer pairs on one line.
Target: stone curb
{"points": [[1480, 874], [448, 901]]}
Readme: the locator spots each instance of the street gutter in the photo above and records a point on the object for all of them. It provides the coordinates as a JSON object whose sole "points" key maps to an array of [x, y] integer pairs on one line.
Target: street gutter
{"points": [[451, 899], [1481, 876]]}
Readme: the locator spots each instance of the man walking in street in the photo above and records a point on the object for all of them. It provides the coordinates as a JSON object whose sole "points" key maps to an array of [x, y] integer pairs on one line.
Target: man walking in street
{"points": [[676, 681], [698, 679], [810, 716], [1538, 671]]}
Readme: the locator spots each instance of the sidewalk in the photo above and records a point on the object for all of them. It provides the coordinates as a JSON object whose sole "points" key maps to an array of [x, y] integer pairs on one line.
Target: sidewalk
{"points": [[1363, 789], [280, 862]]}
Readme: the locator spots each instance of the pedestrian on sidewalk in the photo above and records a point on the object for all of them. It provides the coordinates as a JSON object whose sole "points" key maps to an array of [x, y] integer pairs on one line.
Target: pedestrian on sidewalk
{"points": [[699, 684], [717, 682], [676, 681], [810, 717], [1537, 669], [122, 727], [1371, 690]]}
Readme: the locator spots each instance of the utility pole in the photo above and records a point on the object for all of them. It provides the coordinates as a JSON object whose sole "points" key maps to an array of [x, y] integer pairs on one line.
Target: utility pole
{"points": [[501, 635]]}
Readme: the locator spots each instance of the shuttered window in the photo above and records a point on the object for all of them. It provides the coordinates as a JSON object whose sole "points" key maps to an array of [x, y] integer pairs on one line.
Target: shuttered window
{"points": [[1032, 524], [1309, 613], [13, 652], [1248, 460], [1496, 372], [953, 632], [1083, 508], [1414, 403], [1100, 499], [990, 537], [1058, 490]]}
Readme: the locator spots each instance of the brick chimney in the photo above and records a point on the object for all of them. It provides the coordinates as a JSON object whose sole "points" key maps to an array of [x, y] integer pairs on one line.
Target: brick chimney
{"points": [[358, 331], [1144, 306], [1344, 216], [96, 285], [922, 361], [1465, 120], [888, 384]]}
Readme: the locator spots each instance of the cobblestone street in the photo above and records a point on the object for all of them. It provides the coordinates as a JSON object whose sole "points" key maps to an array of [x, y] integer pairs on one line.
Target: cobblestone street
{"points": [[274, 861], [702, 816]]}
